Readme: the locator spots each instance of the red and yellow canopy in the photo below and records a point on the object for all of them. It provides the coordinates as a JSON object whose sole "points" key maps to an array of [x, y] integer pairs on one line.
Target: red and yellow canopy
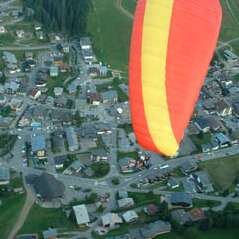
{"points": [[171, 47]]}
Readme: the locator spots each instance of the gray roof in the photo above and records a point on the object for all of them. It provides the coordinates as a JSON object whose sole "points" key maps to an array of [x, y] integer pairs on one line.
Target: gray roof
{"points": [[180, 216], [48, 186], [38, 143], [85, 41], [150, 230], [81, 214], [181, 198], [49, 233], [4, 174], [71, 137], [109, 95]]}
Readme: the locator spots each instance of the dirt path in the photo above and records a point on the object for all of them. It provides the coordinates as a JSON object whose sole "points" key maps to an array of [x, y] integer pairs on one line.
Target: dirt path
{"points": [[118, 4], [30, 199]]}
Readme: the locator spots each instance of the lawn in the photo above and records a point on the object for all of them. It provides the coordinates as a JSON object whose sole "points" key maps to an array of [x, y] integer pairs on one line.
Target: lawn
{"points": [[110, 30], [129, 5], [230, 21], [213, 234], [142, 199], [40, 219], [6, 39], [198, 203], [10, 209], [223, 171]]}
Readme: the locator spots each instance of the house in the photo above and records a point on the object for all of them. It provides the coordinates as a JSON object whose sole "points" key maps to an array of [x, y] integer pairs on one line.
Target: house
{"points": [[223, 108], [85, 43], [122, 194], [206, 148], [202, 124], [50, 234], [181, 199], [151, 209], [72, 139], [180, 216], [4, 176], [54, 70], [202, 182], [59, 161], [81, 215], [196, 214], [127, 165], [94, 98], [38, 144], [234, 137], [58, 91], [173, 183], [235, 107], [2, 30], [20, 33], [111, 219], [150, 230], [222, 139], [35, 93], [130, 216], [214, 123], [125, 203], [16, 104], [88, 55], [188, 167], [47, 187], [99, 154], [110, 96]]}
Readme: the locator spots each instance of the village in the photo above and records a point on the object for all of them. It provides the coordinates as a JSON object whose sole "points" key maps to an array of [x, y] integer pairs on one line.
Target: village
{"points": [[67, 140]]}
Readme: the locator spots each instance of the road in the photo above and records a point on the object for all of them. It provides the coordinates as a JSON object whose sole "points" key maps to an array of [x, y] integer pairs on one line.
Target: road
{"points": [[30, 199], [118, 4]]}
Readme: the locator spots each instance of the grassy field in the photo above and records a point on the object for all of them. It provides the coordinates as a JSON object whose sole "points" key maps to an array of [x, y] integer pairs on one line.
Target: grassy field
{"points": [[40, 219], [129, 5], [222, 171], [11, 206], [213, 234], [111, 32]]}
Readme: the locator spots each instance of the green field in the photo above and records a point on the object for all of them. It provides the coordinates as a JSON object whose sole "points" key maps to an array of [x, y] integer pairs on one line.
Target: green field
{"points": [[129, 5], [213, 234], [223, 171], [11, 206], [111, 31], [40, 219]]}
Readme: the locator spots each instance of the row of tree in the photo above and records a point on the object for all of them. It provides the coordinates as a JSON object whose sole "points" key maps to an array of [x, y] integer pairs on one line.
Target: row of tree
{"points": [[68, 16]]}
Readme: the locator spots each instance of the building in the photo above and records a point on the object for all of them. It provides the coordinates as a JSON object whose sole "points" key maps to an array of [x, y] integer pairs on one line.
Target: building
{"points": [[72, 139], [99, 154], [47, 187], [127, 165], [54, 71], [130, 216], [196, 214], [2, 29], [4, 176], [150, 230], [173, 183], [111, 220], [35, 93], [222, 139], [50, 234], [125, 203], [180, 216], [202, 124], [223, 108], [59, 161], [188, 167], [151, 209], [38, 145], [110, 96], [85, 43], [58, 91], [94, 98], [81, 215], [181, 199]]}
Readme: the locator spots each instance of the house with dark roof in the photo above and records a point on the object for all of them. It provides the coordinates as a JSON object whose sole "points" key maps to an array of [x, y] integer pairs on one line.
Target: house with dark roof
{"points": [[150, 230], [99, 154], [202, 124], [47, 187], [180, 216], [181, 199], [188, 167]]}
